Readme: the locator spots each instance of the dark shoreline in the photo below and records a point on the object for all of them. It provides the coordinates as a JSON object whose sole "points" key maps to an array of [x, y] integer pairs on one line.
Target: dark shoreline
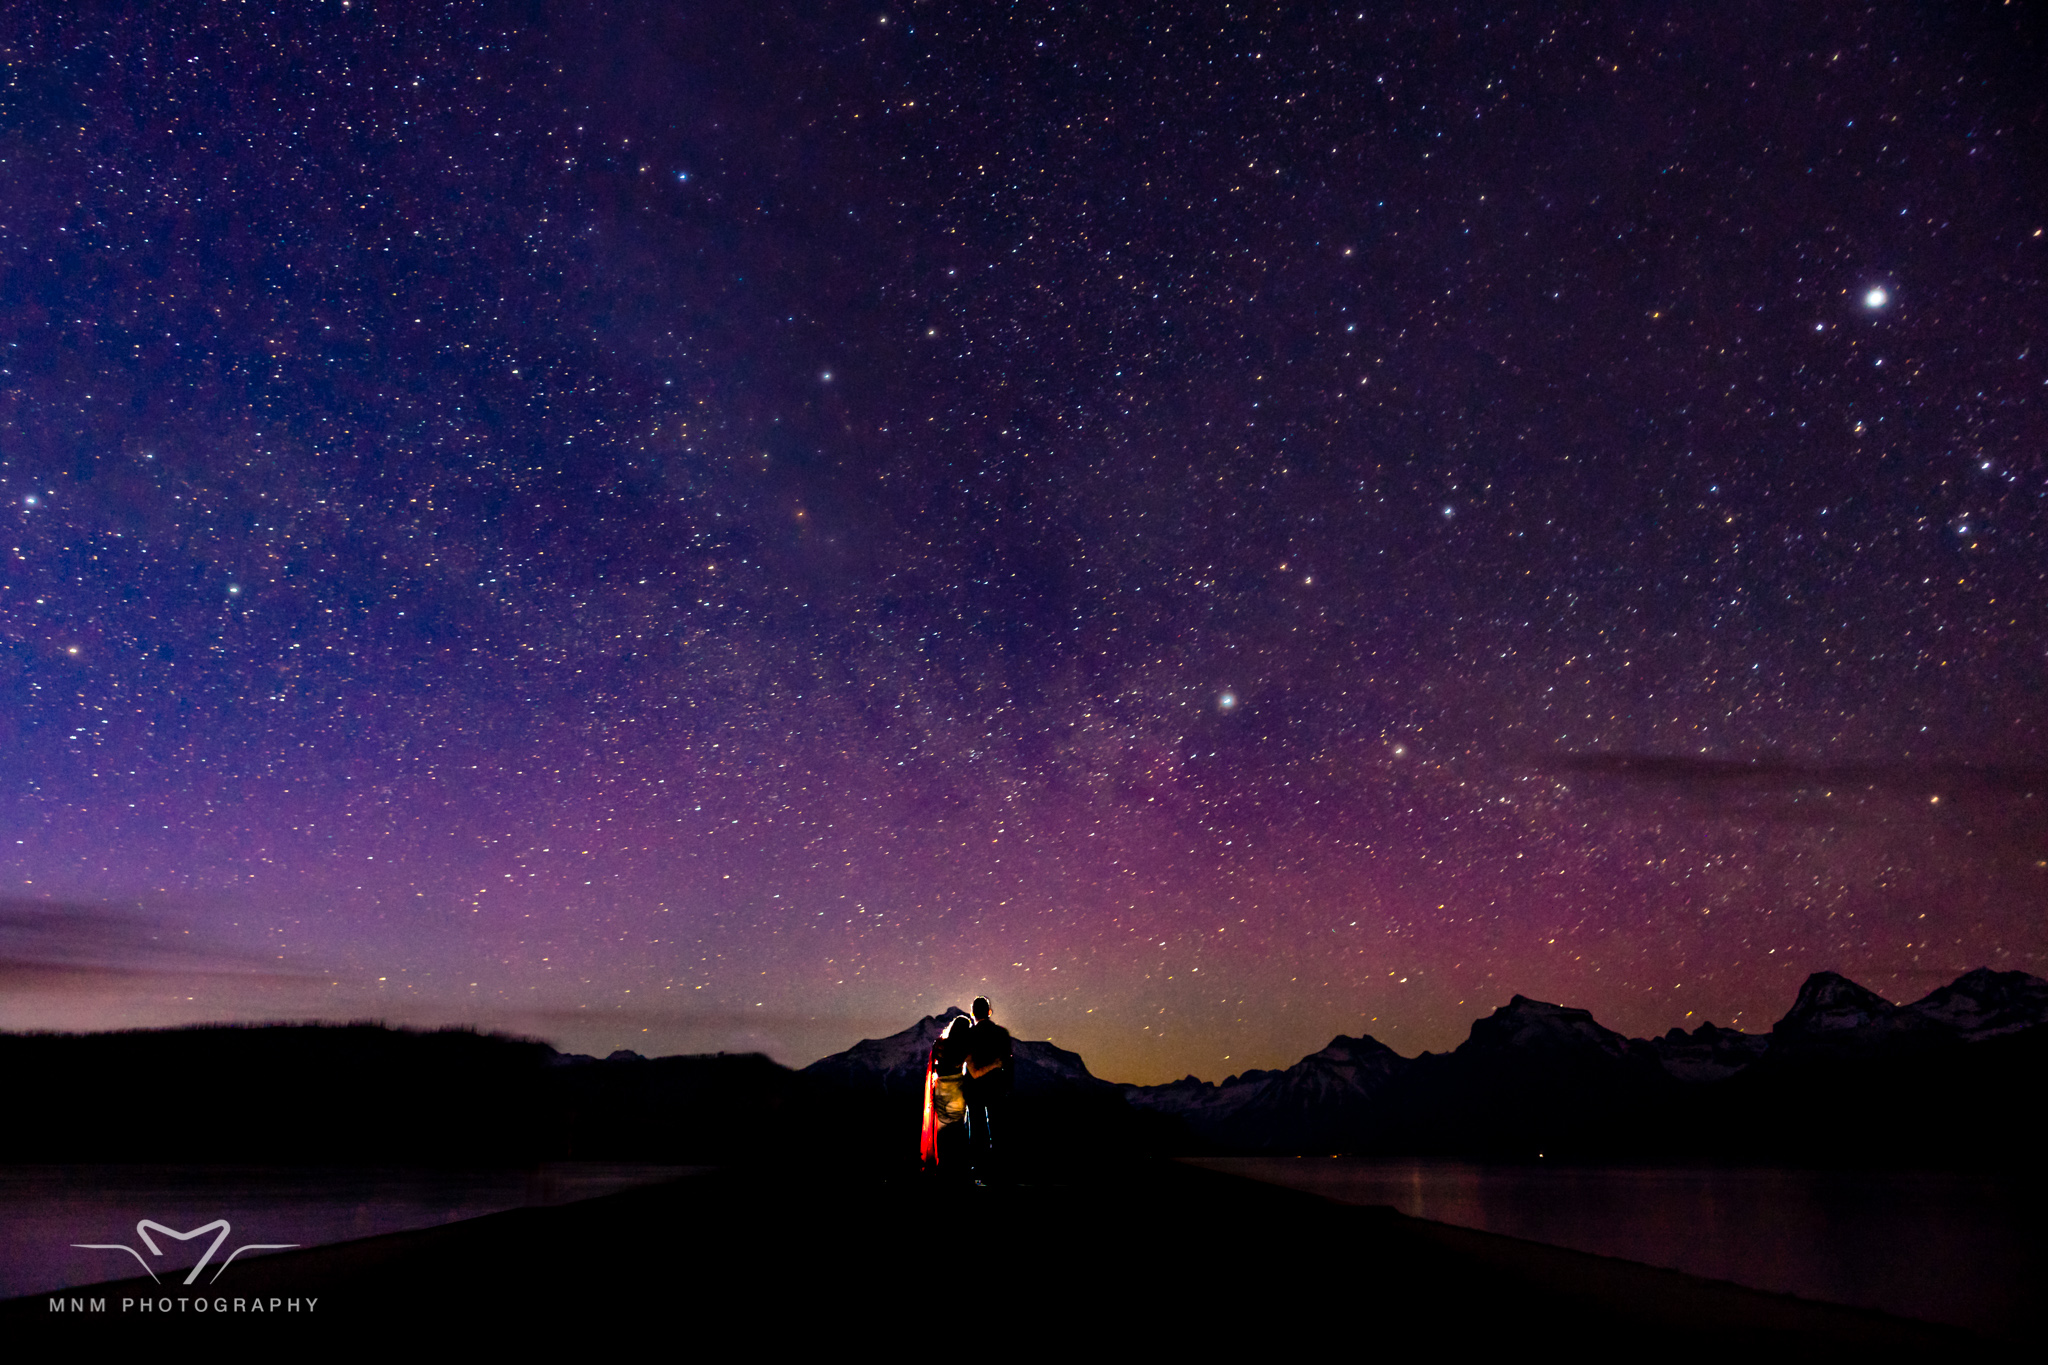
{"points": [[1148, 1252]]}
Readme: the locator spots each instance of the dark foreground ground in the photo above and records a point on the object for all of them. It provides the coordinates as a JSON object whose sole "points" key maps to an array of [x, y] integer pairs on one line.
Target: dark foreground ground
{"points": [[1155, 1257]]}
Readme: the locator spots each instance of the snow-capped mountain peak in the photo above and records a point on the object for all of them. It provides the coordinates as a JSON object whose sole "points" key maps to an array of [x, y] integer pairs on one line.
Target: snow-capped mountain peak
{"points": [[1830, 1003], [1984, 1004]]}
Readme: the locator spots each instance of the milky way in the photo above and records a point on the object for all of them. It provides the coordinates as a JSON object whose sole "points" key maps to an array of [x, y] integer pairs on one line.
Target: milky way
{"points": [[732, 527]]}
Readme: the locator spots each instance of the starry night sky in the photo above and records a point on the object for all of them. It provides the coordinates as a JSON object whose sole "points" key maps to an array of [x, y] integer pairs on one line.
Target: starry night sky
{"points": [[733, 526]]}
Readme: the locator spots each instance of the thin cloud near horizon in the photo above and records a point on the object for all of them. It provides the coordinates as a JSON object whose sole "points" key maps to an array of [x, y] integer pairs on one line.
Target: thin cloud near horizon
{"points": [[49, 940], [1681, 769]]}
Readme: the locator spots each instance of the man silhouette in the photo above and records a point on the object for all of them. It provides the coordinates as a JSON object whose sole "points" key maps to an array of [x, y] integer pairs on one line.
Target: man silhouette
{"points": [[990, 1077]]}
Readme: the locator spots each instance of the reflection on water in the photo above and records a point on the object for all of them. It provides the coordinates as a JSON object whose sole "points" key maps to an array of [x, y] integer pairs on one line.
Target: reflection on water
{"points": [[44, 1209], [1939, 1246]]}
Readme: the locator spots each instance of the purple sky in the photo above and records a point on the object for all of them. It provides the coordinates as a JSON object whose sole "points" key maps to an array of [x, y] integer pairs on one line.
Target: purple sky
{"points": [[734, 527]]}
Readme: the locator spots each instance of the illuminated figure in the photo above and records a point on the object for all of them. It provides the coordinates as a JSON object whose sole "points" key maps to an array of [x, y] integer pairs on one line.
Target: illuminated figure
{"points": [[945, 1101]]}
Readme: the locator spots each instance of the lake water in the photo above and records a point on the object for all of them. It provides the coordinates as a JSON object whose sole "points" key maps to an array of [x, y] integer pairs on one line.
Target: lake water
{"points": [[45, 1209], [1939, 1246]]}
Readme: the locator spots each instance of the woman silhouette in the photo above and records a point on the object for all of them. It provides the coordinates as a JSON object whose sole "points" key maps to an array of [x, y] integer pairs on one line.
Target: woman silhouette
{"points": [[945, 1103]]}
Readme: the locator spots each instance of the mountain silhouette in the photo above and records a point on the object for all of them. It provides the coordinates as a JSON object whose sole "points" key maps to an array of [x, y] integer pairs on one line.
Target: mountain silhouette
{"points": [[1920, 1081], [1956, 1078]]}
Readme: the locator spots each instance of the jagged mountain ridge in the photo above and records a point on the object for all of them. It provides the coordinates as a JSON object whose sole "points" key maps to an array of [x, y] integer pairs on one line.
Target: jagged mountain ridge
{"points": [[1957, 1077], [1531, 1060], [1531, 1076], [1977, 1005], [1985, 1004], [1345, 1078]]}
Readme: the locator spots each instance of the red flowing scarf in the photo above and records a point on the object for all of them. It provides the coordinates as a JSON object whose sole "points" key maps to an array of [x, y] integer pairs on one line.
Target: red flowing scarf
{"points": [[928, 1140]]}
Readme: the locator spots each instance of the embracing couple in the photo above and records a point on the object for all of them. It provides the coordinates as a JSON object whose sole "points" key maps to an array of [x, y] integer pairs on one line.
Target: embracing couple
{"points": [[967, 1082]]}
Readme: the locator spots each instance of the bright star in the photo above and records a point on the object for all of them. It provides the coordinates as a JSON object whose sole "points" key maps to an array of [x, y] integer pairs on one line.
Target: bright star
{"points": [[1878, 297], [1227, 700]]}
